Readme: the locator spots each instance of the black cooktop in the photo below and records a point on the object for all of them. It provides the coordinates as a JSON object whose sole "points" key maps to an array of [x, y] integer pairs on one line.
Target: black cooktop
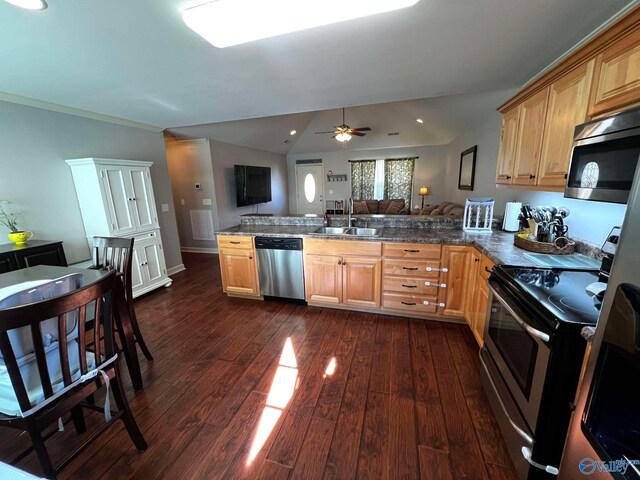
{"points": [[560, 292]]}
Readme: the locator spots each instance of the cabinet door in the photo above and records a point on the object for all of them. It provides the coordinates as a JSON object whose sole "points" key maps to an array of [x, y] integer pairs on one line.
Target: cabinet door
{"points": [[155, 269], [617, 76], [323, 278], [474, 268], [44, 255], [118, 196], [7, 263], [481, 302], [361, 281], [568, 102], [508, 144], [239, 272], [456, 259], [137, 269], [529, 144], [144, 209]]}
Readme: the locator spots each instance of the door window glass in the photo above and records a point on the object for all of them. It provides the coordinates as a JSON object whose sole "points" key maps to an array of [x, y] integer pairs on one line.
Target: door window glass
{"points": [[310, 188]]}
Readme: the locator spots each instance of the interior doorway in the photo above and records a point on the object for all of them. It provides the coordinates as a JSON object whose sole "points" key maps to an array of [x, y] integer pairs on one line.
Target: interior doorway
{"points": [[310, 189]]}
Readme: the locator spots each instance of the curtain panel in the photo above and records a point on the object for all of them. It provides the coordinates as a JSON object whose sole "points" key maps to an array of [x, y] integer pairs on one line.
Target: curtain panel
{"points": [[363, 179], [398, 179]]}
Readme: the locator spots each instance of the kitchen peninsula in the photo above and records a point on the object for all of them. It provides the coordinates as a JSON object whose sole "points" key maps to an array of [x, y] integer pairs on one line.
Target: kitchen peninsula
{"points": [[416, 267]]}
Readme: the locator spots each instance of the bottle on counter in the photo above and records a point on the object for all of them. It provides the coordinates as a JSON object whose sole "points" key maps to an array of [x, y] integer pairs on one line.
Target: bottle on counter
{"points": [[326, 222]]}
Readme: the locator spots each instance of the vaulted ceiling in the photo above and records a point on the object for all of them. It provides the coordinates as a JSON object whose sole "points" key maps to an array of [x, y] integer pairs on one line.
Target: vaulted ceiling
{"points": [[136, 60]]}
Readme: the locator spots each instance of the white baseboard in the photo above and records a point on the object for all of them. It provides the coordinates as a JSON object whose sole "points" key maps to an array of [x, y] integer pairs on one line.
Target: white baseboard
{"points": [[199, 250], [176, 269]]}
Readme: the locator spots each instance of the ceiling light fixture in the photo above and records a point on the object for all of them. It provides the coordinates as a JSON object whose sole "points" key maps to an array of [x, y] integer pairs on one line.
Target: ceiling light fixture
{"points": [[419, 120], [29, 4], [292, 132], [224, 23], [343, 137]]}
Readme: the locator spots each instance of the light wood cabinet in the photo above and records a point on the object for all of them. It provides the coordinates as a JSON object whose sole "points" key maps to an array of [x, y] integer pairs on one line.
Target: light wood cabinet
{"points": [[568, 103], [529, 143], [473, 272], [480, 304], [508, 145], [238, 267], [456, 260], [617, 76], [342, 279]]}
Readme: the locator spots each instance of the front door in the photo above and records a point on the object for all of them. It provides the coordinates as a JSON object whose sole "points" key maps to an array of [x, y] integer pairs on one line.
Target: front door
{"points": [[310, 189]]}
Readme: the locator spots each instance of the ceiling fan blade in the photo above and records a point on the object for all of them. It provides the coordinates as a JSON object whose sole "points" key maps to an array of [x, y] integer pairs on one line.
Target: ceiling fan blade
{"points": [[358, 134], [361, 129], [332, 131]]}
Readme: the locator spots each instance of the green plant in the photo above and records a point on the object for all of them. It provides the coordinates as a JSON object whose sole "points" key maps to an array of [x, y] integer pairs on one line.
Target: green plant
{"points": [[8, 219]]}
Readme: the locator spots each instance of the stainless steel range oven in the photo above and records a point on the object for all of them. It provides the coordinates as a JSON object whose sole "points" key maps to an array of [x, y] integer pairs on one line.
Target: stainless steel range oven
{"points": [[532, 357]]}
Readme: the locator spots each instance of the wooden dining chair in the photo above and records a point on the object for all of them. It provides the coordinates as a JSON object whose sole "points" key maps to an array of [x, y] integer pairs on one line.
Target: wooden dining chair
{"points": [[117, 253], [68, 371]]}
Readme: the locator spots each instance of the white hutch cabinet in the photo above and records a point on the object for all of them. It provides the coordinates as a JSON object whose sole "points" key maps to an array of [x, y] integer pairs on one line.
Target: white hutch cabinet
{"points": [[116, 200]]}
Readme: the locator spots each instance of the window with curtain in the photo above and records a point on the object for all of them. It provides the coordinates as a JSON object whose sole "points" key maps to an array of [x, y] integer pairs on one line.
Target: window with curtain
{"points": [[382, 179]]}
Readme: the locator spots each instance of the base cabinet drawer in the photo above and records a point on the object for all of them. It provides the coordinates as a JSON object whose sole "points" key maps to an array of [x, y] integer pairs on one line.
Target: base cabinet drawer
{"points": [[412, 268], [235, 241], [411, 285], [412, 303], [412, 250]]}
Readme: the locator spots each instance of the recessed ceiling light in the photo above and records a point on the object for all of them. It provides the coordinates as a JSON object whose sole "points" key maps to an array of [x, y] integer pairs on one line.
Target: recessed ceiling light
{"points": [[29, 4], [231, 22], [419, 120], [292, 132]]}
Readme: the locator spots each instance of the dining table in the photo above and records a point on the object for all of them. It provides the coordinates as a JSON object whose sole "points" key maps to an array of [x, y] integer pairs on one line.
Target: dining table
{"points": [[122, 320]]}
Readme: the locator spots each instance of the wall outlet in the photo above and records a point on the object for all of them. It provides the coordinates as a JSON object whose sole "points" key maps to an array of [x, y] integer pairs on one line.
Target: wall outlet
{"points": [[206, 201], [165, 207], [182, 202], [330, 192]]}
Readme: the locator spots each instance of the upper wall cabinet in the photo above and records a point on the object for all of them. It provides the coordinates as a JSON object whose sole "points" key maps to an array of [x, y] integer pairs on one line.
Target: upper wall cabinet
{"points": [[601, 77], [617, 76]]}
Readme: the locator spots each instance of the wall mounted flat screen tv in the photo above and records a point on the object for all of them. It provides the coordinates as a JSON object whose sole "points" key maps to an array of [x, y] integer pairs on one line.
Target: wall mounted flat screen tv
{"points": [[253, 185]]}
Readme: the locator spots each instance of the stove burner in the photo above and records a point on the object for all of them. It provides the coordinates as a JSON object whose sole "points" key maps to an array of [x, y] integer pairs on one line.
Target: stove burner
{"points": [[568, 303]]}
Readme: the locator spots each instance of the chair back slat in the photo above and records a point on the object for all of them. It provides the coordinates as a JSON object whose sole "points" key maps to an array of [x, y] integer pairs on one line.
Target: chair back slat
{"points": [[63, 349], [96, 328], [115, 253], [41, 359], [13, 370], [82, 346], [34, 315]]}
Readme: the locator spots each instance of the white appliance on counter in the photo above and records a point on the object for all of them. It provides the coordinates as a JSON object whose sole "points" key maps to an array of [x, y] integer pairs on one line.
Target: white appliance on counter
{"points": [[116, 200]]}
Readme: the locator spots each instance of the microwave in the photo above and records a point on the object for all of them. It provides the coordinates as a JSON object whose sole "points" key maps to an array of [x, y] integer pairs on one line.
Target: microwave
{"points": [[604, 158]]}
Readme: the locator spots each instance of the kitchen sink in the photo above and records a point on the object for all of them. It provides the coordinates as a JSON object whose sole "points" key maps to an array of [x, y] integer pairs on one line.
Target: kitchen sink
{"points": [[355, 231]]}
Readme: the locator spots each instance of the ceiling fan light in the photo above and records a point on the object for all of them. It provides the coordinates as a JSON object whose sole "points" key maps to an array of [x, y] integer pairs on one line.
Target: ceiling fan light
{"points": [[419, 120], [343, 137], [224, 23], [29, 4]]}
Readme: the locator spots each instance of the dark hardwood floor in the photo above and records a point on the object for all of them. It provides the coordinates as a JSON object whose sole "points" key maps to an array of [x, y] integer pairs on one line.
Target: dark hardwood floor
{"points": [[271, 390]]}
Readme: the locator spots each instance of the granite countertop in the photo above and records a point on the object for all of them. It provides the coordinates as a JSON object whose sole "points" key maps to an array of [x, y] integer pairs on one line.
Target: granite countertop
{"points": [[498, 246]]}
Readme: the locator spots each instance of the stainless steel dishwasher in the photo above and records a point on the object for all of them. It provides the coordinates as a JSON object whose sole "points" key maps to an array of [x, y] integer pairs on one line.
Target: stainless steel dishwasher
{"points": [[280, 267]]}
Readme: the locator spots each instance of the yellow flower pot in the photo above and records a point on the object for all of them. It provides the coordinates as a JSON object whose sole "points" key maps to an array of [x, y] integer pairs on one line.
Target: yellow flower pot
{"points": [[20, 238]]}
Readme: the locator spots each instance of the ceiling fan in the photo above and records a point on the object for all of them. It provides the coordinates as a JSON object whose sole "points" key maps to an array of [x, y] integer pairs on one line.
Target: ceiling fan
{"points": [[344, 132]]}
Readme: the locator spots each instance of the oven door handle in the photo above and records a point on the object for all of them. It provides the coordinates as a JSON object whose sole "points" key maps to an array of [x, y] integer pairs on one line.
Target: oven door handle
{"points": [[525, 326], [525, 436]]}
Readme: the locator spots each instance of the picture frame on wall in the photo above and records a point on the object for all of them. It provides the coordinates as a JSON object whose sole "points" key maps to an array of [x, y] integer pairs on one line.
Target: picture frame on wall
{"points": [[467, 172]]}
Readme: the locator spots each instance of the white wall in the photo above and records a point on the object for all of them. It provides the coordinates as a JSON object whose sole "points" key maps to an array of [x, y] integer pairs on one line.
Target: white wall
{"points": [[430, 171], [33, 146], [590, 221], [224, 156], [190, 163]]}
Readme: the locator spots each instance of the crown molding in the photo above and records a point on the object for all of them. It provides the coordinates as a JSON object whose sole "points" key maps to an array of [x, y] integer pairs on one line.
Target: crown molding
{"points": [[54, 107]]}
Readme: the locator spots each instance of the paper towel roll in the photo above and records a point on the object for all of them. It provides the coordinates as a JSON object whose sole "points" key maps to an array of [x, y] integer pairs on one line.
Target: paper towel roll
{"points": [[511, 213]]}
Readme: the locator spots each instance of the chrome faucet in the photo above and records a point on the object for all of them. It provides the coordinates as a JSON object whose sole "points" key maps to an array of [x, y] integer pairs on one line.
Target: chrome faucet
{"points": [[351, 219]]}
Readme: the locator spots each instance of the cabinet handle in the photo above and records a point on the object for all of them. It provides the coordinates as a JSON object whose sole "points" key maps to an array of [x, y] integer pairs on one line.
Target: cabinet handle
{"points": [[408, 303], [130, 199], [234, 243], [427, 302], [409, 286], [531, 177], [411, 251], [339, 262], [566, 175], [488, 270], [344, 263], [476, 259], [508, 177], [410, 268], [441, 285], [250, 257], [431, 269]]}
